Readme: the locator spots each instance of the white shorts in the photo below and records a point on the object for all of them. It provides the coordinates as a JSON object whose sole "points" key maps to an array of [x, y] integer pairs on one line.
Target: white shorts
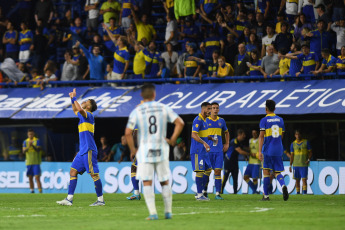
{"points": [[145, 171], [114, 76], [24, 56]]}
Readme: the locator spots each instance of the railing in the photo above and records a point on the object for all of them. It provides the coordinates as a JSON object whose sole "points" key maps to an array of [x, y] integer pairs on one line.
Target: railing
{"points": [[192, 80]]}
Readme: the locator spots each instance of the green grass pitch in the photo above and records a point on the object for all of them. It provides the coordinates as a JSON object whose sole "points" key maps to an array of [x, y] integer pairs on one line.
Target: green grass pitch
{"points": [[39, 211]]}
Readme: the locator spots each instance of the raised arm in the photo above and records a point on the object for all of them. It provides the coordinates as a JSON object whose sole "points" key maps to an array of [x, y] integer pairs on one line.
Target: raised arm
{"points": [[75, 104]]}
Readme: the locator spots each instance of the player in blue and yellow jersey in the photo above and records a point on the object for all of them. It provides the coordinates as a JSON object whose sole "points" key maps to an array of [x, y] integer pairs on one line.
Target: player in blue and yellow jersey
{"points": [[254, 167], [328, 62], [271, 148], [32, 149], [341, 61], [231, 159], [86, 158], [199, 149], [135, 182], [301, 154], [215, 126]]}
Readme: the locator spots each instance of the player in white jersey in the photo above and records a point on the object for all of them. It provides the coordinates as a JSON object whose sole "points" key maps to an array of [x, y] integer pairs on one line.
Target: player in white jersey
{"points": [[151, 118]]}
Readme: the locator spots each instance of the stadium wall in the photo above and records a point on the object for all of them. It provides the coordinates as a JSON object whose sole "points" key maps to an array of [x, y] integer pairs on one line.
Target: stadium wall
{"points": [[325, 177]]}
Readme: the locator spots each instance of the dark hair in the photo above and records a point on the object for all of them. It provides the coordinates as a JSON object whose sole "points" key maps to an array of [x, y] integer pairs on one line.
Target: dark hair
{"points": [[204, 104], [297, 45], [298, 131], [214, 103], [283, 51], [216, 51], [240, 131], [325, 51], [270, 105], [284, 24], [30, 130], [254, 51], [112, 18], [93, 105]]}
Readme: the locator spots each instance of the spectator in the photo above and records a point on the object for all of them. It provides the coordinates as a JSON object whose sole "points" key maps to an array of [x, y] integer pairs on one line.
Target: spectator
{"points": [[96, 41], [120, 151], [319, 39], [97, 63], [115, 31], [260, 25], [321, 11], [308, 10], [180, 150], [268, 39], [181, 61], [300, 24], [210, 44], [69, 70], [78, 30], [189, 32], [83, 68], [328, 63], [110, 9], [48, 77], [103, 150], [44, 10], [339, 28], [244, 38], [171, 32], [224, 69], [91, 6], [253, 43], [241, 59], [125, 13], [284, 39], [241, 23], [39, 47], [209, 7], [192, 68], [254, 64], [32, 149], [211, 65], [144, 29], [170, 58], [35, 78], [295, 64], [8, 66], [291, 9], [280, 20], [284, 63], [263, 6], [169, 8], [338, 10], [341, 61], [231, 49], [184, 8], [270, 62], [25, 41], [153, 61], [131, 34], [14, 151], [10, 40], [139, 62]]}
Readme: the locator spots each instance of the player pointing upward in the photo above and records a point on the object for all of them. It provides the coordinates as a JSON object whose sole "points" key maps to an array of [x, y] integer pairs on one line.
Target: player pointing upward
{"points": [[86, 158], [271, 148], [151, 118]]}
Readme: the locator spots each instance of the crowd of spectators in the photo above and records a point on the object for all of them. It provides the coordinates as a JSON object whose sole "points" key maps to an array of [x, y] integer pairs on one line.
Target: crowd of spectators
{"points": [[66, 40]]}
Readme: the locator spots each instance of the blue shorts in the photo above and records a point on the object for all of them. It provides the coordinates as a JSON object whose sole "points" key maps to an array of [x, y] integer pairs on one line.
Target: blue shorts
{"points": [[86, 162], [253, 171], [300, 172], [274, 163], [200, 162], [33, 170], [216, 160]]}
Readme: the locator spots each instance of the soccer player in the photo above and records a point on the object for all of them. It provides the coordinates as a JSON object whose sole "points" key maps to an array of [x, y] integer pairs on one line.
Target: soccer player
{"points": [[86, 158], [271, 148], [231, 159], [215, 126], [254, 166], [199, 148], [32, 150], [151, 118], [135, 182], [301, 154]]}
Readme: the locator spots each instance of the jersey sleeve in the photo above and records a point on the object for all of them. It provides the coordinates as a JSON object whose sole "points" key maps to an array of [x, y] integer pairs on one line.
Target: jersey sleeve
{"points": [[282, 125], [316, 57], [196, 126], [132, 120], [300, 56], [291, 148], [172, 116], [224, 128], [263, 124]]}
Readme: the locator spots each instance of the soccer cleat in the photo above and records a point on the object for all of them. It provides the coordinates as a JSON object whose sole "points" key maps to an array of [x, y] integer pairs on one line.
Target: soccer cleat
{"points": [[134, 197], [205, 194], [196, 195], [265, 199], [97, 203], [285, 193], [65, 202], [32, 191], [218, 197], [256, 192], [202, 198], [168, 215], [152, 217]]}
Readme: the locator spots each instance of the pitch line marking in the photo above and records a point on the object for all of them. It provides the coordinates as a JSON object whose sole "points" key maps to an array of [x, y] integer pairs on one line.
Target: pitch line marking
{"points": [[257, 209]]}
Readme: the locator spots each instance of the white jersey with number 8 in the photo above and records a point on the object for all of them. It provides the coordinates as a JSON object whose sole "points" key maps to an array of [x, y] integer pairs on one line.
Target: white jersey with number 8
{"points": [[151, 119]]}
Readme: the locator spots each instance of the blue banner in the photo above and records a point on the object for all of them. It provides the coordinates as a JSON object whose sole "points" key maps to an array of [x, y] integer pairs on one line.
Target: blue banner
{"points": [[292, 97], [323, 178]]}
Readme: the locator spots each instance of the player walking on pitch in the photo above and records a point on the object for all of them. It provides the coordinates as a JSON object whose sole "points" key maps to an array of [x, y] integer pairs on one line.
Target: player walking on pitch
{"points": [[151, 118], [271, 148], [86, 158]]}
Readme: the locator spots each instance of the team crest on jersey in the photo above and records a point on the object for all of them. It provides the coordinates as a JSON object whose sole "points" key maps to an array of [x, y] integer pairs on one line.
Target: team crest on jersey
{"points": [[197, 125], [220, 124]]}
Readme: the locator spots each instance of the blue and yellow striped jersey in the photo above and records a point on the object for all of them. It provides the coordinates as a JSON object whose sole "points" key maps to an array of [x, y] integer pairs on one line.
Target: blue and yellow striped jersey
{"points": [[252, 71], [211, 44], [340, 64], [126, 7], [215, 127], [86, 129], [26, 37], [308, 61], [199, 127], [273, 126], [331, 61], [121, 56]]}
